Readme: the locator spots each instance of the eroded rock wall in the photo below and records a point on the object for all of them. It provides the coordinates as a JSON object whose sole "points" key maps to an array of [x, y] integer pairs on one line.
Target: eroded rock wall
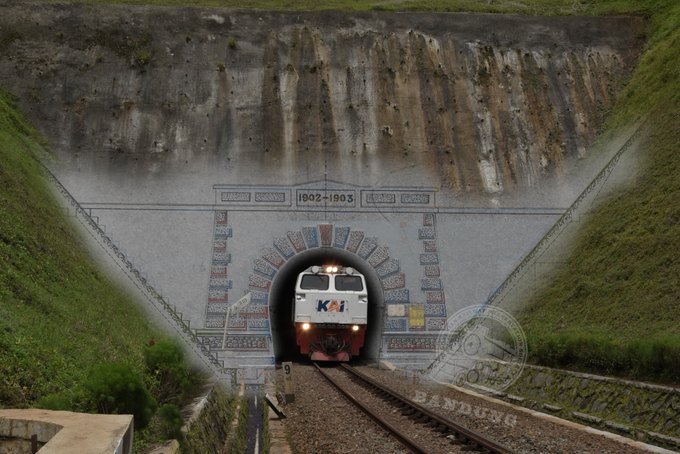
{"points": [[475, 104]]}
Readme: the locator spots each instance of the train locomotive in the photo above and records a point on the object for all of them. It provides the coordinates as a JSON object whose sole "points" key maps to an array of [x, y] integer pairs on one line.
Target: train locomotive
{"points": [[330, 312]]}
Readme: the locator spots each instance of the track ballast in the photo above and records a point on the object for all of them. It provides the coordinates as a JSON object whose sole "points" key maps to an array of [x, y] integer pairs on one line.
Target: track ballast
{"points": [[442, 430]]}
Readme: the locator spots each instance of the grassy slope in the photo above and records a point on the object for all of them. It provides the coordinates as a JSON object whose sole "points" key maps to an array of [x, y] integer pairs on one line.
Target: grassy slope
{"points": [[58, 314], [617, 298]]}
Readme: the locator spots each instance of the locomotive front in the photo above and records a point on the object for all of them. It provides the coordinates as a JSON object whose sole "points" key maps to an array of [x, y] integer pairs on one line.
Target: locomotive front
{"points": [[330, 312]]}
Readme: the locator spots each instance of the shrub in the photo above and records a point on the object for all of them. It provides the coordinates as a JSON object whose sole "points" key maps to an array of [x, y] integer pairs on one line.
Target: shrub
{"points": [[172, 377], [56, 401], [116, 388], [76, 399], [171, 421], [232, 43]]}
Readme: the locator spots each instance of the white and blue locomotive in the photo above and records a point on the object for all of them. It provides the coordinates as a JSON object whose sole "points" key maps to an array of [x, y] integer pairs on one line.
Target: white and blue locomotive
{"points": [[330, 312]]}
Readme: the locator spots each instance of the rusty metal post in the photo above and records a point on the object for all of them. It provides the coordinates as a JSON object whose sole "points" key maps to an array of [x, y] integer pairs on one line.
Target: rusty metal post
{"points": [[34, 443]]}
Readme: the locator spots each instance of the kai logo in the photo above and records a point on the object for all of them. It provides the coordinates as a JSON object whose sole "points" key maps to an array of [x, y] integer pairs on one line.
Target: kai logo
{"points": [[330, 306]]}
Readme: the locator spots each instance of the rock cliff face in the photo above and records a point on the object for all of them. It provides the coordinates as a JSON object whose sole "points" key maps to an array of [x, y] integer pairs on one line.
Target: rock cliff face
{"points": [[474, 104]]}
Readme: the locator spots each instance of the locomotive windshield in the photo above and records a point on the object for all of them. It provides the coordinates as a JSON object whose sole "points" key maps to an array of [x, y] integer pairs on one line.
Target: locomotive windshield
{"points": [[350, 283], [314, 282]]}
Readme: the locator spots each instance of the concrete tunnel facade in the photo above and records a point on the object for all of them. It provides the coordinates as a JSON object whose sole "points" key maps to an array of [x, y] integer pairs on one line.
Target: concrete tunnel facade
{"points": [[280, 254], [419, 259]]}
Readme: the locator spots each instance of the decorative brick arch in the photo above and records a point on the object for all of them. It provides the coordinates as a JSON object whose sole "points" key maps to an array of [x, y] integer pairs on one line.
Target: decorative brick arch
{"points": [[273, 258], [407, 326]]}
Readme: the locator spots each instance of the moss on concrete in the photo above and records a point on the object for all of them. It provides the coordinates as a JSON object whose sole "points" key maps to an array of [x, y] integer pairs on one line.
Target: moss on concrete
{"points": [[639, 407], [210, 430]]}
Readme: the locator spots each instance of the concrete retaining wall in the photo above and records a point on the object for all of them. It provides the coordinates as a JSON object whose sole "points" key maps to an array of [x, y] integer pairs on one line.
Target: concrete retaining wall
{"points": [[57, 432], [643, 411], [16, 434], [208, 428]]}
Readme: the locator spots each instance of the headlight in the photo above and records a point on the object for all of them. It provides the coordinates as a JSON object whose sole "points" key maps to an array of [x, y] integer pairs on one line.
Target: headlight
{"points": [[355, 328], [306, 326]]}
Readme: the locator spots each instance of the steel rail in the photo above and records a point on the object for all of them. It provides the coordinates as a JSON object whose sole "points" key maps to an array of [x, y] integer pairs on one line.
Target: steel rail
{"points": [[463, 434], [406, 441]]}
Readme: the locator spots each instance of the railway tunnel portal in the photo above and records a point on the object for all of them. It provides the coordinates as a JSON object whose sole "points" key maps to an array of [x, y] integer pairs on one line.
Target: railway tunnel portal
{"points": [[420, 148], [415, 255], [281, 296]]}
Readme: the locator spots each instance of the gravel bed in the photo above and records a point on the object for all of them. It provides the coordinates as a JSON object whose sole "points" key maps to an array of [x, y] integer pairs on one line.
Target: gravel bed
{"points": [[431, 441], [516, 430], [321, 420]]}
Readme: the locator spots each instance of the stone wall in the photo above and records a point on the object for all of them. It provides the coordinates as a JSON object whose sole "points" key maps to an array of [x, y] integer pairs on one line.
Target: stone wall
{"points": [[643, 411]]}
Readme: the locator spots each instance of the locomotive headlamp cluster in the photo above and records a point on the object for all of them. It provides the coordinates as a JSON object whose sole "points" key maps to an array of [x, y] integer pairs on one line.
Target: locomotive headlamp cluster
{"points": [[306, 326], [331, 269], [355, 327]]}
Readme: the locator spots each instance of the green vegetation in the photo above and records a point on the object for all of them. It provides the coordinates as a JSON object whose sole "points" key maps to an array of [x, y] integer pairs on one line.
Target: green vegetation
{"points": [[58, 314], [614, 307], [171, 421], [142, 57], [59, 317], [240, 442], [171, 377], [117, 388], [266, 435], [656, 359], [134, 48], [214, 425]]}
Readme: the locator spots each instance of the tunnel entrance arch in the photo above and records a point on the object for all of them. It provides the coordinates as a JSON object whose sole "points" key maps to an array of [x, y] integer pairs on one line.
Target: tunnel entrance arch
{"points": [[283, 290], [274, 275]]}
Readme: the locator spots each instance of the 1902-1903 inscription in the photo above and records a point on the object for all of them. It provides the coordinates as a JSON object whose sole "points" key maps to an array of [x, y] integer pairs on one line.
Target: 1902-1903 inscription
{"points": [[328, 198]]}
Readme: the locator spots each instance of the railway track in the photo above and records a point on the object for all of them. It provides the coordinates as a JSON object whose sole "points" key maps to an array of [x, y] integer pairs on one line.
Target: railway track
{"points": [[410, 411]]}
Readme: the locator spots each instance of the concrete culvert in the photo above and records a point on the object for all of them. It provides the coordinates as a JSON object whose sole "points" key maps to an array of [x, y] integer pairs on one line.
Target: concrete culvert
{"points": [[283, 291]]}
